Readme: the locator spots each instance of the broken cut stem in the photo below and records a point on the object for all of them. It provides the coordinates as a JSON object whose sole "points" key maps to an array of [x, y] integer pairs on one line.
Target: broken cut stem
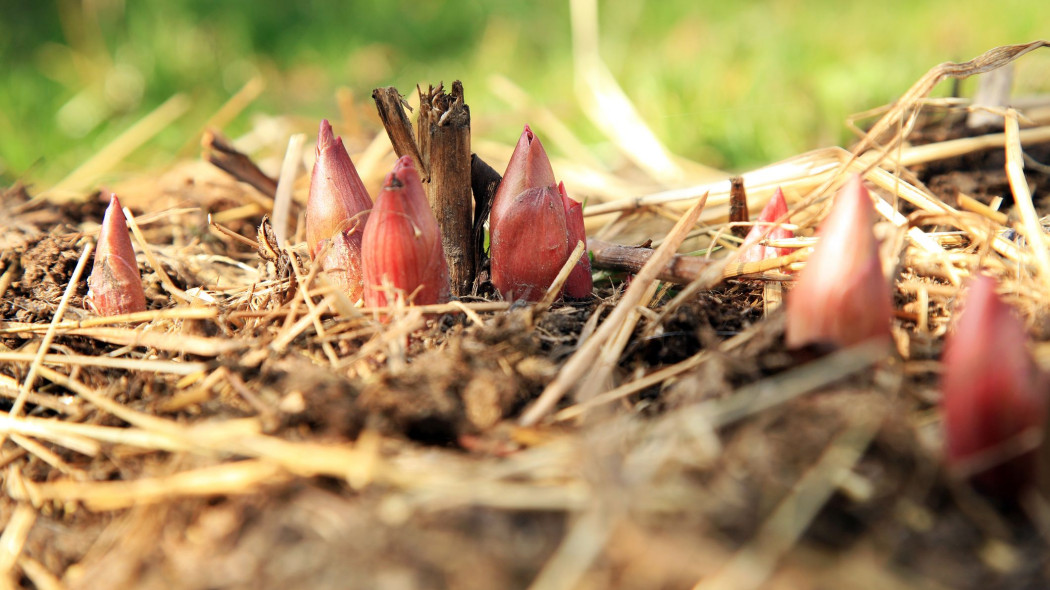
{"points": [[444, 140], [220, 152], [391, 106], [738, 216], [681, 269]]}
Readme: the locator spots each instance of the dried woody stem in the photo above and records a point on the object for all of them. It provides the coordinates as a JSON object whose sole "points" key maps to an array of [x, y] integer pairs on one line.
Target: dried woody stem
{"points": [[442, 156], [681, 269], [218, 150], [484, 180], [609, 256], [738, 207], [443, 129], [391, 106]]}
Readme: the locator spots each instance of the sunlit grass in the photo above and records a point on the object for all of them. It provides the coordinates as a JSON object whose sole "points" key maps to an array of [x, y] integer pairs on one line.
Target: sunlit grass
{"points": [[731, 85]]}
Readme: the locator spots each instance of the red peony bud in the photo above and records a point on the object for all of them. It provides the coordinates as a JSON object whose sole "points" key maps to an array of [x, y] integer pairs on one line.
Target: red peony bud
{"points": [[579, 284], [115, 286], [336, 211], [991, 390], [401, 247], [529, 244], [529, 239], [751, 249], [841, 296]]}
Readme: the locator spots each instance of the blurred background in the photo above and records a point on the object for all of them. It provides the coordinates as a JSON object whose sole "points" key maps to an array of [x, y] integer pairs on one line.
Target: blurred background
{"points": [[731, 85]]}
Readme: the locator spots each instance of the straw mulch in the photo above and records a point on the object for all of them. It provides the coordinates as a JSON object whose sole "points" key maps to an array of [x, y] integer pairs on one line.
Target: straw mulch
{"points": [[255, 429]]}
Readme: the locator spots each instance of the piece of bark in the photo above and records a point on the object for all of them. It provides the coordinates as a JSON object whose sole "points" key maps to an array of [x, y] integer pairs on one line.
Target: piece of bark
{"points": [[738, 206], [217, 149], [484, 180], [443, 133], [391, 106], [609, 256]]}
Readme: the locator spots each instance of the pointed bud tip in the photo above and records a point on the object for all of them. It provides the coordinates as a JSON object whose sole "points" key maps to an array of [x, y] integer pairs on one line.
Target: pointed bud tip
{"points": [[114, 224], [852, 211], [114, 212], [752, 248], [404, 173], [775, 208], [325, 136], [567, 201]]}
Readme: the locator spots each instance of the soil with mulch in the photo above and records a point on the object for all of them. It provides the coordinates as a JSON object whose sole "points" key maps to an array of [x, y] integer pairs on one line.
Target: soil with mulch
{"points": [[840, 486]]}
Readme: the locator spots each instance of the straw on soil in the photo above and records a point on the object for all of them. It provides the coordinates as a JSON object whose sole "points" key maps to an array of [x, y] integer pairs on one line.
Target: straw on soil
{"points": [[718, 459]]}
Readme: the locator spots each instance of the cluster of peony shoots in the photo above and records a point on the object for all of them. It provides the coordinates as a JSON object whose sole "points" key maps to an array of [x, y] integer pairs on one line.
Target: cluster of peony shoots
{"points": [[992, 393], [392, 248], [394, 245], [373, 251]]}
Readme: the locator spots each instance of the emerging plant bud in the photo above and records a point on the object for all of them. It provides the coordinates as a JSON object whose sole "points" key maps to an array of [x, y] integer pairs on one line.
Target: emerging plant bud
{"points": [[841, 296], [529, 167], [530, 239], [401, 248], [579, 284], [336, 212], [115, 286], [991, 390], [752, 250]]}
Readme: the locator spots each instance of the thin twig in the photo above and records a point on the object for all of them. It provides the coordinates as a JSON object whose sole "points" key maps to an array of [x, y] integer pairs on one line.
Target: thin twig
{"points": [[219, 151], [1031, 224], [559, 281]]}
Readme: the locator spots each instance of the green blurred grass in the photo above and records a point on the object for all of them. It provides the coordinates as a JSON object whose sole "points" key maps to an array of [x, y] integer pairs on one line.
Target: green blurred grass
{"points": [[732, 85]]}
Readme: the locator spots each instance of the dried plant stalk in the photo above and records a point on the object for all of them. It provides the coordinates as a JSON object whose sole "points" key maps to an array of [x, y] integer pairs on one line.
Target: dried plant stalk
{"points": [[241, 477], [559, 281], [443, 130], [484, 180], [391, 106], [680, 269], [738, 215], [12, 542], [219, 151]]}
